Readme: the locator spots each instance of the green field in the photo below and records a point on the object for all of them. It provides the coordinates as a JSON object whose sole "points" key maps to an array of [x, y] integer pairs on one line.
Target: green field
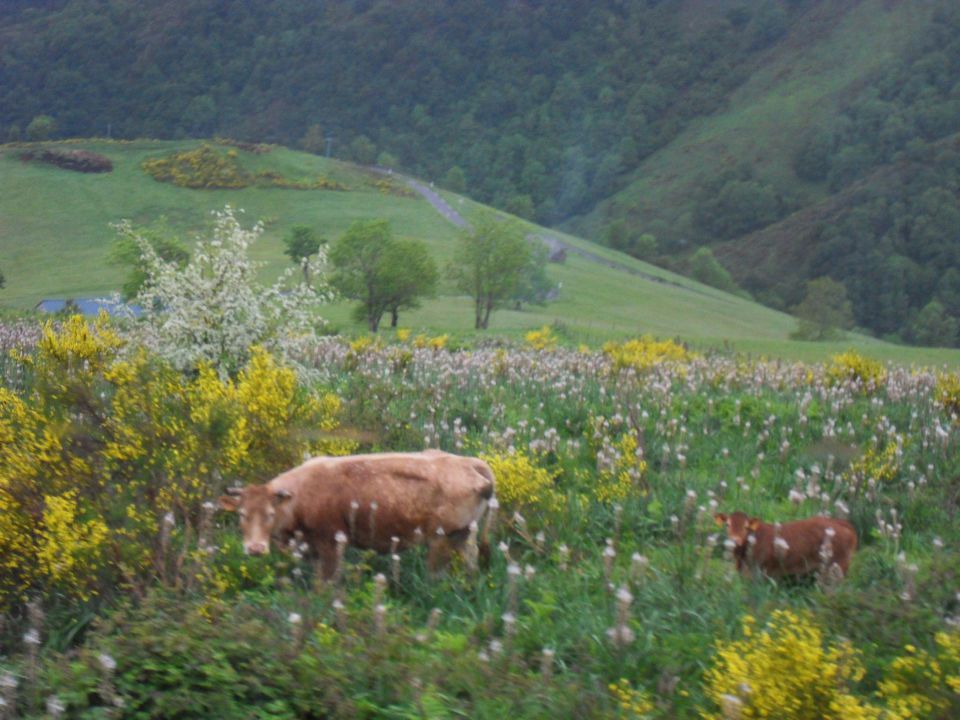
{"points": [[55, 234]]}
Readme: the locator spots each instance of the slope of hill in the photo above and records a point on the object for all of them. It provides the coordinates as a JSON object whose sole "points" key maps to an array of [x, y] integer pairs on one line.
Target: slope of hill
{"points": [[55, 237]]}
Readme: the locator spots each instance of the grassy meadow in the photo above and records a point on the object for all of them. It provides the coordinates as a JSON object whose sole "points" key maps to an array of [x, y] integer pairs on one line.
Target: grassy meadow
{"points": [[55, 237], [609, 592]]}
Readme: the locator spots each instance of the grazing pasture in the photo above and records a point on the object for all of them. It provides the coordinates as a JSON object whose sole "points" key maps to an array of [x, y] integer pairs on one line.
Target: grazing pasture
{"points": [[610, 591]]}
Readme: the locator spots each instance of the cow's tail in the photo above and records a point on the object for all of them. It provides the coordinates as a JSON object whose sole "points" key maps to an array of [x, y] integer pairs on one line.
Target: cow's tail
{"points": [[488, 514]]}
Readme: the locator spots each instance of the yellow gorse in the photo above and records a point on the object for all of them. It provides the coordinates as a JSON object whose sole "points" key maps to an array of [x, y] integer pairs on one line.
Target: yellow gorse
{"points": [[786, 671], [521, 483], [107, 445], [645, 353], [853, 366]]}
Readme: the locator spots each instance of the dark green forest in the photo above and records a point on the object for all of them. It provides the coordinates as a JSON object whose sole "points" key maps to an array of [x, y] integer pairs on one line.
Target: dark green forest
{"points": [[541, 108]]}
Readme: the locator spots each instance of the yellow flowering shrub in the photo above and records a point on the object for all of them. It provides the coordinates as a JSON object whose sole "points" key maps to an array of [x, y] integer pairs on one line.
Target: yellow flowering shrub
{"points": [[853, 366], [542, 339], [785, 671], [403, 334], [106, 446], [434, 343], [632, 703], [521, 483], [880, 464], [646, 352], [921, 685], [69, 545], [621, 473], [948, 392]]}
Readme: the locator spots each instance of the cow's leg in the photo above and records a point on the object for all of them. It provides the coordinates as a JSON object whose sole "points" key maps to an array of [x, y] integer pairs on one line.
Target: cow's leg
{"points": [[464, 543], [438, 553], [328, 559]]}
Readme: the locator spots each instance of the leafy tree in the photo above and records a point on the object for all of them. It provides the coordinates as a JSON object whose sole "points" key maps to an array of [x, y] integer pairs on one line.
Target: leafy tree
{"points": [[455, 180], [313, 140], [3, 280], [382, 273], [363, 150], [535, 286], [824, 312], [935, 327], [126, 252], [409, 273], [301, 244], [41, 127], [357, 257], [489, 264], [705, 268], [213, 310]]}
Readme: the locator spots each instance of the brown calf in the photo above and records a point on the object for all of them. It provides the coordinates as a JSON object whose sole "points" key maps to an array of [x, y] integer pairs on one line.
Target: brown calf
{"points": [[385, 502], [794, 548]]}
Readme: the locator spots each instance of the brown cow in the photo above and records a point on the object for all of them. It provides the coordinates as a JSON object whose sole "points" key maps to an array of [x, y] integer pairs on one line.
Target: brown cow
{"points": [[794, 548], [385, 502]]}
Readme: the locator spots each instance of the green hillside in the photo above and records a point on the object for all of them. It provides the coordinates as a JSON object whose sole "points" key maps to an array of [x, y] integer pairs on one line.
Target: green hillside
{"points": [[56, 234]]}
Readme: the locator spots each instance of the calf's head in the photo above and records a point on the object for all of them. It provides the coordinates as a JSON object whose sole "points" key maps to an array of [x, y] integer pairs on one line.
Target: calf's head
{"points": [[260, 509], [739, 526]]}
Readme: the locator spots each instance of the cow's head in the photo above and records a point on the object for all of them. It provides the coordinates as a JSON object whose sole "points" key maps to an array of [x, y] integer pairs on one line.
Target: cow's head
{"points": [[258, 507], [739, 526]]}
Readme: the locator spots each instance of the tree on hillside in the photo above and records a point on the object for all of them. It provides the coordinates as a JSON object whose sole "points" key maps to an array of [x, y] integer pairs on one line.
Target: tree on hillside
{"points": [[382, 273], [535, 286], [313, 140], [489, 264], [705, 268], [126, 252], [824, 312], [933, 326], [3, 280], [409, 273], [301, 244], [212, 310], [42, 127]]}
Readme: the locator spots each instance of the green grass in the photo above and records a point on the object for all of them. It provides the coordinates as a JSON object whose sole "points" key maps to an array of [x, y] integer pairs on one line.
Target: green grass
{"points": [[55, 234]]}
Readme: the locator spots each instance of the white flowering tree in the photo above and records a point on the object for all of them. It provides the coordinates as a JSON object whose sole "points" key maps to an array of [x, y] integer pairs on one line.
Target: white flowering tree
{"points": [[213, 309]]}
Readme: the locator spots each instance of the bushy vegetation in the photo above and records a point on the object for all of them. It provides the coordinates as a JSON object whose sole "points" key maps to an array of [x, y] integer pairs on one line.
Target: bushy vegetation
{"points": [[610, 594], [76, 160]]}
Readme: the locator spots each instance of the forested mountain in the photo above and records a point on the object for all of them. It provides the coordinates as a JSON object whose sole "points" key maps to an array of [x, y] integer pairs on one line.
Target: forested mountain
{"points": [[613, 117]]}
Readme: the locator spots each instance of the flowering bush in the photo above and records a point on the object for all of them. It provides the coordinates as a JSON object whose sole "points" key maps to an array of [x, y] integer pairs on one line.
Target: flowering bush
{"points": [[521, 483], [99, 448], [851, 366], [948, 393], [213, 310], [632, 703], [921, 685], [784, 671], [542, 339], [646, 352]]}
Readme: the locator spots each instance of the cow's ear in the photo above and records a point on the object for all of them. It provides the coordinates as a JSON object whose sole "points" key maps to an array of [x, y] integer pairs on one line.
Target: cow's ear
{"points": [[753, 524], [720, 518], [230, 503], [281, 496]]}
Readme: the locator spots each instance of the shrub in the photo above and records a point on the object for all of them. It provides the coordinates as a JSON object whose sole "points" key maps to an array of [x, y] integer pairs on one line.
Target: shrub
{"points": [[948, 393], [213, 310], [921, 685], [76, 160], [851, 366], [98, 448], [784, 671], [646, 352], [521, 483], [542, 339], [200, 168]]}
